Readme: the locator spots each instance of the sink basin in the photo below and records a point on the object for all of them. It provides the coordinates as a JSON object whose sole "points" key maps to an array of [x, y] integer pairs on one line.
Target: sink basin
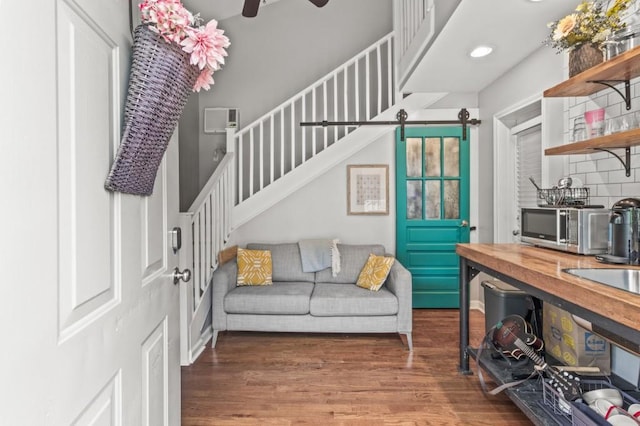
{"points": [[622, 278]]}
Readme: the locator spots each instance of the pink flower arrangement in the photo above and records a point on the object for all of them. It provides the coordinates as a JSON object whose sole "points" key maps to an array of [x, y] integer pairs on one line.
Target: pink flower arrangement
{"points": [[205, 43]]}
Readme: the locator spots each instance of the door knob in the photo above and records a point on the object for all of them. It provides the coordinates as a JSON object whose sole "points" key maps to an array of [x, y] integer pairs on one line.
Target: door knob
{"points": [[184, 275], [464, 224]]}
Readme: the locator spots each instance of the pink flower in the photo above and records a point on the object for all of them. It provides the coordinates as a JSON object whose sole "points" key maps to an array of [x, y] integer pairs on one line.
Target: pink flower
{"points": [[207, 45], [204, 81], [169, 17], [175, 24]]}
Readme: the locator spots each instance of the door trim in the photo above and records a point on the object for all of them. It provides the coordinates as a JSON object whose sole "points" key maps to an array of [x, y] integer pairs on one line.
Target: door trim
{"points": [[504, 151]]}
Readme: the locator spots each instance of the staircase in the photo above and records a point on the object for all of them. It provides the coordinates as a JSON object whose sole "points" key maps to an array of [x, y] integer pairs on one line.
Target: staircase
{"points": [[355, 140], [274, 156]]}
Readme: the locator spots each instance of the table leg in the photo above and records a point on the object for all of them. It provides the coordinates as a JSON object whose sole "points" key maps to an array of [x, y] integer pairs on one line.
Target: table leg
{"points": [[464, 316]]}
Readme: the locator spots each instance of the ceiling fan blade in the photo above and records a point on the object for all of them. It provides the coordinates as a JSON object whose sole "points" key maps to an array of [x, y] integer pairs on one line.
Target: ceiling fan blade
{"points": [[319, 3], [250, 8]]}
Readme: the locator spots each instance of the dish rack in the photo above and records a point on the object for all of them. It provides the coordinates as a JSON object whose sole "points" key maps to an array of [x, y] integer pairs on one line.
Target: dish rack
{"points": [[577, 413], [563, 197]]}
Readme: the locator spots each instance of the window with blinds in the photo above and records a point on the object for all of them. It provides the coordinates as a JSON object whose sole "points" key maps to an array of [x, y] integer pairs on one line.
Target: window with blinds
{"points": [[528, 164]]}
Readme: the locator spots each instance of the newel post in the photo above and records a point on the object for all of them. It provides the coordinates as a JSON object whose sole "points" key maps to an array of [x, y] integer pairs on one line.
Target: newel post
{"points": [[231, 134]]}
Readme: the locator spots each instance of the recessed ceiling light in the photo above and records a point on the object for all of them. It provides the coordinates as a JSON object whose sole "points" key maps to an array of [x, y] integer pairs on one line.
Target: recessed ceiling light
{"points": [[481, 51]]}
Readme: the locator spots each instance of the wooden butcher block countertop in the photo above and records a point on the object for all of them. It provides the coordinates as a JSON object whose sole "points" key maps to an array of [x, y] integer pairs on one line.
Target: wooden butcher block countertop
{"points": [[542, 269]]}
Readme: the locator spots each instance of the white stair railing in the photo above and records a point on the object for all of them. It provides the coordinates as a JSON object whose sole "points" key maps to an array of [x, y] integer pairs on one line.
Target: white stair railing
{"points": [[413, 22], [205, 229], [275, 144]]}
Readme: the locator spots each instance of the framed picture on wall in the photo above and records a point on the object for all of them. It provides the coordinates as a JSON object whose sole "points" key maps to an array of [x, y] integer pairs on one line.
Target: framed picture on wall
{"points": [[368, 189]]}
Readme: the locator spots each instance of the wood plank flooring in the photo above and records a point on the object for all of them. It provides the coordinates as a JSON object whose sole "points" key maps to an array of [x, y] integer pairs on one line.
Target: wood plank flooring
{"points": [[337, 379]]}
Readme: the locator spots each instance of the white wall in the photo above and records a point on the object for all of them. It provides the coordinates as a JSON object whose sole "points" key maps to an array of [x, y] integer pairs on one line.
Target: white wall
{"points": [[288, 46], [541, 70], [188, 146], [319, 210]]}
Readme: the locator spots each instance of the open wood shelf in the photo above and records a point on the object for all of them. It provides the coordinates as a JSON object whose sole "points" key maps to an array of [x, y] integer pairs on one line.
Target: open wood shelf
{"points": [[620, 69], [616, 140], [625, 66]]}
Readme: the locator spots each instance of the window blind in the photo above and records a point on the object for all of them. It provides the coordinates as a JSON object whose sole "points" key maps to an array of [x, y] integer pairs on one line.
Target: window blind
{"points": [[528, 164]]}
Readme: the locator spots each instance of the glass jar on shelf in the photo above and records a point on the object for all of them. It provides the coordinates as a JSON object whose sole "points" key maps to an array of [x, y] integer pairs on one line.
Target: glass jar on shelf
{"points": [[579, 129]]}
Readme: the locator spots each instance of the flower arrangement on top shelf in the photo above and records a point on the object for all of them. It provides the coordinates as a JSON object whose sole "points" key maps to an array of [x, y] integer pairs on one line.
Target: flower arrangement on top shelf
{"points": [[584, 31], [172, 56]]}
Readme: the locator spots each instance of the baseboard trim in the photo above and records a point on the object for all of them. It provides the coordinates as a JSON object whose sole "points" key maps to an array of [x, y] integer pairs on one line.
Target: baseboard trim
{"points": [[477, 305]]}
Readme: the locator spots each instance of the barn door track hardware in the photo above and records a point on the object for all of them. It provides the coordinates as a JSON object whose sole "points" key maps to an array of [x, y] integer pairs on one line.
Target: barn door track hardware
{"points": [[401, 120]]}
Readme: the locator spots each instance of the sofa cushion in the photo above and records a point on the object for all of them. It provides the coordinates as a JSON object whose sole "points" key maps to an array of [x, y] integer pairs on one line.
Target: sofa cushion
{"points": [[286, 262], [375, 272], [285, 298], [254, 267], [349, 300], [352, 260]]}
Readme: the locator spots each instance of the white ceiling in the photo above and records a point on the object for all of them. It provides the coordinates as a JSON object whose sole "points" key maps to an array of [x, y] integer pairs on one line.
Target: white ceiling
{"points": [[514, 28]]}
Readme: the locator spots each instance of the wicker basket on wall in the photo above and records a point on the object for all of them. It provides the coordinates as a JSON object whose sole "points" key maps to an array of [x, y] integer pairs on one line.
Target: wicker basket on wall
{"points": [[160, 82], [583, 57]]}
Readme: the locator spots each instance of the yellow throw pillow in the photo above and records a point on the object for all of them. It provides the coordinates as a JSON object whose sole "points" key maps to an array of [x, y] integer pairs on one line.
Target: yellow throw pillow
{"points": [[254, 267], [375, 272]]}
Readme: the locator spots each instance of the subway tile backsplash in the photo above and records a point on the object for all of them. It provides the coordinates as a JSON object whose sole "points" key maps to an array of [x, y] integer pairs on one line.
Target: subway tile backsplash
{"points": [[601, 171]]}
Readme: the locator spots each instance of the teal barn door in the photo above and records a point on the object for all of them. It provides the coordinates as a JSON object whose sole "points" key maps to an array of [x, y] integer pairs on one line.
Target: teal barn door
{"points": [[432, 210]]}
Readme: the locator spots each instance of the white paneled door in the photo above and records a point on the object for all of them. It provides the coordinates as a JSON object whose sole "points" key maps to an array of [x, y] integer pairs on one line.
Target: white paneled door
{"points": [[88, 308]]}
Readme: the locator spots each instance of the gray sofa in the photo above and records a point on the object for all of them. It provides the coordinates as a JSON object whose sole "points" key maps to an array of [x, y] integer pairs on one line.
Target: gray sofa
{"points": [[313, 301]]}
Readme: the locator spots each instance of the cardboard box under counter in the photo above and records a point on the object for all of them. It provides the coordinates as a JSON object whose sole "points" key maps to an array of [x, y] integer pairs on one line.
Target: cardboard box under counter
{"points": [[571, 344]]}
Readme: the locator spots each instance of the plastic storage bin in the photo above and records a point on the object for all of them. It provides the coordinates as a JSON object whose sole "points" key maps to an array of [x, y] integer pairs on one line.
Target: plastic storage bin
{"points": [[502, 299]]}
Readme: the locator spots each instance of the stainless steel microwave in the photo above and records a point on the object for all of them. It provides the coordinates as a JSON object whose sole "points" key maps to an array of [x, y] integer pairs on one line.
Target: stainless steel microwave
{"points": [[571, 229]]}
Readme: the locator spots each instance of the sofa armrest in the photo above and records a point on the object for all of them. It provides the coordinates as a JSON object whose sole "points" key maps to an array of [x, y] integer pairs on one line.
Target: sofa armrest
{"points": [[223, 280], [399, 282]]}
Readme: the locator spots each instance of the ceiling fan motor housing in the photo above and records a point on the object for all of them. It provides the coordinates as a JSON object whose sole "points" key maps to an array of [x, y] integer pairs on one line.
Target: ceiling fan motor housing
{"points": [[250, 8]]}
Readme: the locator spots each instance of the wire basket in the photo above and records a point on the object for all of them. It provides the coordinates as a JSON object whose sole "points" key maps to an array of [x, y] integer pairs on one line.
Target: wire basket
{"points": [[578, 413], [160, 82], [563, 197]]}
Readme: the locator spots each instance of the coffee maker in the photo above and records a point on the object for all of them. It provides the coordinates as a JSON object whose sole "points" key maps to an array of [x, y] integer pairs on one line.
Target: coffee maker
{"points": [[624, 235]]}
